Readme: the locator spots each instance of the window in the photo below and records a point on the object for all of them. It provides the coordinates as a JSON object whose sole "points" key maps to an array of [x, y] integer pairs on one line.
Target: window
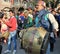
{"points": [[15, 1]]}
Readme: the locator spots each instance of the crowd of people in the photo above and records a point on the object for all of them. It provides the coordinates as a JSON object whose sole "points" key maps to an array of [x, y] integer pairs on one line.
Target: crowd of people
{"points": [[26, 18]]}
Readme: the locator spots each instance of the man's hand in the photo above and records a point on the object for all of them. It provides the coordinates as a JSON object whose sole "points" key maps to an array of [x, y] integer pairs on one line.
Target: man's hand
{"points": [[55, 32], [3, 20]]}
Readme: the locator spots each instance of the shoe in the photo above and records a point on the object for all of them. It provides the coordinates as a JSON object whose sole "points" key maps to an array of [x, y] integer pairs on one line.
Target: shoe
{"points": [[14, 52], [7, 51]]}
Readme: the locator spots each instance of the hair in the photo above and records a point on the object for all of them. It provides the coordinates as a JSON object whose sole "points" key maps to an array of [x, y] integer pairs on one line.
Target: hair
{"points": [[58, 10], [11, 11], [53, 10], [1, 15], [21, 9]]}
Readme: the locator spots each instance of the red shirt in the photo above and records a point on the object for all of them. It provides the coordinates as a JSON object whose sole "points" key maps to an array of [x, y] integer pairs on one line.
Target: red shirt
{"points": [[12, 24]]}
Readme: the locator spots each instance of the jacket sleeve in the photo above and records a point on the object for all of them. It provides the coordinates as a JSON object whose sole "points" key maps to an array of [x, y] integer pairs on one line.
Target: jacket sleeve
{"points": [[10, 23], [53, 21]]}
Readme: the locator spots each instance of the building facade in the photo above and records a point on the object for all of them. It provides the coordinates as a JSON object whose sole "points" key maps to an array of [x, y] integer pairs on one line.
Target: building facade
{"points": [[4, 4]]}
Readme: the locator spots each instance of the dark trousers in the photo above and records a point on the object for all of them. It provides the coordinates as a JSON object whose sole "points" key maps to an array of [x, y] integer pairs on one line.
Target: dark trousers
{"points": [[58, 33], [52, 41], [51, 47], [0, 49]]}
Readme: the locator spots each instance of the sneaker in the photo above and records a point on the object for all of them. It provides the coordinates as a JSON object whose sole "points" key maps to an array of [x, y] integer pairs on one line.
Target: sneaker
{"points": [[7, 51], [14, 52]]}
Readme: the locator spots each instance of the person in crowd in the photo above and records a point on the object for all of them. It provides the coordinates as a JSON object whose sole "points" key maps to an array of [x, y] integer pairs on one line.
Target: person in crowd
{"points": [[35, 13], [59, 21], [17, 16], [1, 16], [56, 15], [4, 28], [28, 19], [54, 28], [54, 12], [21, 20], [12, 25], [58, 6]]}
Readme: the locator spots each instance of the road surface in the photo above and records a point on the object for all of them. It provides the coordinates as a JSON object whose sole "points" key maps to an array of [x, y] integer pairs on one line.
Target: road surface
{"points": [[21, 51]]}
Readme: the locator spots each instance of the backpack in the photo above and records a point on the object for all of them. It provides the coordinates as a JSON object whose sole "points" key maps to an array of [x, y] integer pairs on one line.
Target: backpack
{"points": [[45, 22], [42, 20]]}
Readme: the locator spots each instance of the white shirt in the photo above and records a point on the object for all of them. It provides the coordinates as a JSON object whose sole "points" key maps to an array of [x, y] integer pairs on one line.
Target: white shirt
{"points": [[53, 21]]}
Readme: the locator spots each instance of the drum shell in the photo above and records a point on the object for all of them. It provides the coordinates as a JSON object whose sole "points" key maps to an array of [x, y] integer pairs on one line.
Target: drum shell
{"points": [[34, 40]]}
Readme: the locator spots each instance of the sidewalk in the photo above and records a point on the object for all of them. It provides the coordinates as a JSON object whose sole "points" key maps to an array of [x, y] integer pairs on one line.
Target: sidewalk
{"points": [[57, 47]]}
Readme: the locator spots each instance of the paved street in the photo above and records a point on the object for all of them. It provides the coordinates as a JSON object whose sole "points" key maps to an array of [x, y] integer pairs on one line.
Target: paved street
{"points": [[21, 51], [57, 47]]}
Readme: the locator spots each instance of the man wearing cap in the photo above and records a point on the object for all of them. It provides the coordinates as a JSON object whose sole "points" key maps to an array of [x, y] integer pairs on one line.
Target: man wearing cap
{"points": [[42, 10]]}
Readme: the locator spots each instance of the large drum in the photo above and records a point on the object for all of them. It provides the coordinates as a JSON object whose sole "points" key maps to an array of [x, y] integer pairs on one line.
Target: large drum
{"points": [[34, 40]]}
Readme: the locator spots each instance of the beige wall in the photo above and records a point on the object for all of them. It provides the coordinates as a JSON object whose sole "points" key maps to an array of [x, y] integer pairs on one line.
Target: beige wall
{"points": [[4, 4]]}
